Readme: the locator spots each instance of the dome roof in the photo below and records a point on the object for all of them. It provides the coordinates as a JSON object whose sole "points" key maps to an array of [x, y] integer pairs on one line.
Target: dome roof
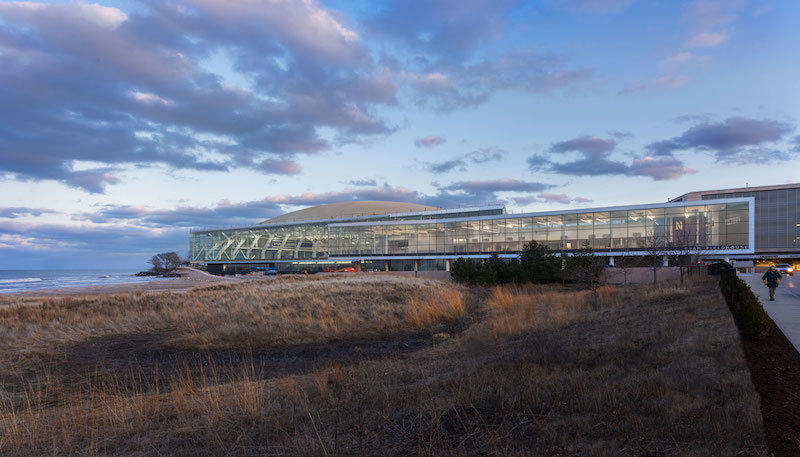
{"points": [[348, 209]]}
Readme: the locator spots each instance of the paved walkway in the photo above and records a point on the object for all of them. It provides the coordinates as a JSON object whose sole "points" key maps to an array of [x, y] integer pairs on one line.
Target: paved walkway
{"points": [[785, 310]]}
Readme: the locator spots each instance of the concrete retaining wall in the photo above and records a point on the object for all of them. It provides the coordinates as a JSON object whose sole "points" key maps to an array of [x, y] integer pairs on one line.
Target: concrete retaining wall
{"points": [[436, 275], [641, 275]]}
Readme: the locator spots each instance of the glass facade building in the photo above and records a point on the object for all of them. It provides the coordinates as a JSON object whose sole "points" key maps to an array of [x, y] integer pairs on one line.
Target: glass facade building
{"points": [[777, 216], [295, 240], [723, 226], [430, 240]]}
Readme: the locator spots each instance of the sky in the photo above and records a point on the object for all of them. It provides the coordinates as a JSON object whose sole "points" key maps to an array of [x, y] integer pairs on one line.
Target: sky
{"points": [[124, 125]]}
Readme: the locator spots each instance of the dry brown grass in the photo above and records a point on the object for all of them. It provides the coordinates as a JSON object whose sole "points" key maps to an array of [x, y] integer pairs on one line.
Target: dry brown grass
{"points": [[435, 305], [516, 309], [527, 371], [254, 313]]}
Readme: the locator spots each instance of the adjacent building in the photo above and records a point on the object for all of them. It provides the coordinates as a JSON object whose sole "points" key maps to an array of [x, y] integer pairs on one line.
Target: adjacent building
{"points": [[743, 224], [777, 218]]}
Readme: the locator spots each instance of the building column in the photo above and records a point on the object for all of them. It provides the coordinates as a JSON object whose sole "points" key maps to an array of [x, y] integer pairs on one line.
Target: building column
{"points": [[386, 266], [611, 261], [666, 261], [416, 266], [447, 264]]}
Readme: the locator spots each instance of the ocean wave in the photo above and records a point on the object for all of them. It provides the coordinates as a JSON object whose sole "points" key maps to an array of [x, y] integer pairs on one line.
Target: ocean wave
{"points": [[18, 280]]}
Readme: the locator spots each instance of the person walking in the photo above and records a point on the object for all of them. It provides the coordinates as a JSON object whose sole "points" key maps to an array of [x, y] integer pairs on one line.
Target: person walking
{"points": [[772, 278]]}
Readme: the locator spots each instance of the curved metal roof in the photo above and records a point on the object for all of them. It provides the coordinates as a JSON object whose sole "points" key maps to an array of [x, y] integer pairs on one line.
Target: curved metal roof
{"points": [[348, 209]]}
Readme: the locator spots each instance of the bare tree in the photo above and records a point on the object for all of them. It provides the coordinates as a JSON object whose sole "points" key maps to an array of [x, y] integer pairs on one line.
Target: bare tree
{"points": [[587, 267], [656, 247], [165, 261], [157, 263], [684, 251], [624, 261]]}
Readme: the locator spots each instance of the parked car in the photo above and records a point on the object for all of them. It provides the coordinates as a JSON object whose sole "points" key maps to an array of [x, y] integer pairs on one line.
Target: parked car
{"points": [[720, 268], [346, 270], [268, 271], [784, 269]]}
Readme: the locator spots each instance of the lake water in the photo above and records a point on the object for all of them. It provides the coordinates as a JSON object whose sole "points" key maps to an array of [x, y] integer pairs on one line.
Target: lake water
{"points": [[24, 280]]}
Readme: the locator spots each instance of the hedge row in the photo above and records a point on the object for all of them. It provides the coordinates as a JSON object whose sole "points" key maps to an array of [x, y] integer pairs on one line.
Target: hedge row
{"points": [[749, 315]]}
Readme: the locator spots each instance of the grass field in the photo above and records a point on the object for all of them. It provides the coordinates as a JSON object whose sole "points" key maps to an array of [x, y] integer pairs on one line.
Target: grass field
{"points": [[377, 365]]}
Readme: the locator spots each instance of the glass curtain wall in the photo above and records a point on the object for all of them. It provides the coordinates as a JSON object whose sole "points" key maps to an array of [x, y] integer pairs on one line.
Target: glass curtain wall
{"points": [[292, 242], [310, 240], [701, 227]]}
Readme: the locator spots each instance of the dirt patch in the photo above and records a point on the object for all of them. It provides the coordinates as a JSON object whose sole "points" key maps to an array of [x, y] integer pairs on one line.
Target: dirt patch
{"points": [[775, 370]]}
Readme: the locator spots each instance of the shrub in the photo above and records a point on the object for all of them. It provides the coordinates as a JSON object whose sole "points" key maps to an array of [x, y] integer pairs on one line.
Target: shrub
{"points": [[466, 271], [749, 315], [536, 264]]}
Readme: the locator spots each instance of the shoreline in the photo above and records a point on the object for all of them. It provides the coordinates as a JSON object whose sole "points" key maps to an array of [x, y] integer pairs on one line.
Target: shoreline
{"points": [[189, 278]]}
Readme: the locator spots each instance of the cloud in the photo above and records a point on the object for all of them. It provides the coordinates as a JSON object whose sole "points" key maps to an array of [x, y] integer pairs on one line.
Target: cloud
{"points": [[690, 118], [380, 193], [449, 30], [620, 135], [484, 155], [524, 200], [93, 181], [453, 63], [682, 58], [710, 14], [595, 161], [429, 141], [363, 182], [711, 24], [554, 198], [41, 245], [659, 168], [496, 185], [707, 40], [13, 212], [585, 144], [466, 85], [224, 213], [227, 213], [461, 163], [481, 192], [548, 197], [711, 21], [279, 166], [736, 139], [79, 80], [445, 166], [658, 84]]}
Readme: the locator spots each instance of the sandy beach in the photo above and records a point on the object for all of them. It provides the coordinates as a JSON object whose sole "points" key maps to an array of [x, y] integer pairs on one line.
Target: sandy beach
{"points": [[190, 277]]}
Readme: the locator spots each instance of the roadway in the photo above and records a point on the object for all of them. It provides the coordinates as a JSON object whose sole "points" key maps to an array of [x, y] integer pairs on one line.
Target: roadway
{"points": [[785, 310]]}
